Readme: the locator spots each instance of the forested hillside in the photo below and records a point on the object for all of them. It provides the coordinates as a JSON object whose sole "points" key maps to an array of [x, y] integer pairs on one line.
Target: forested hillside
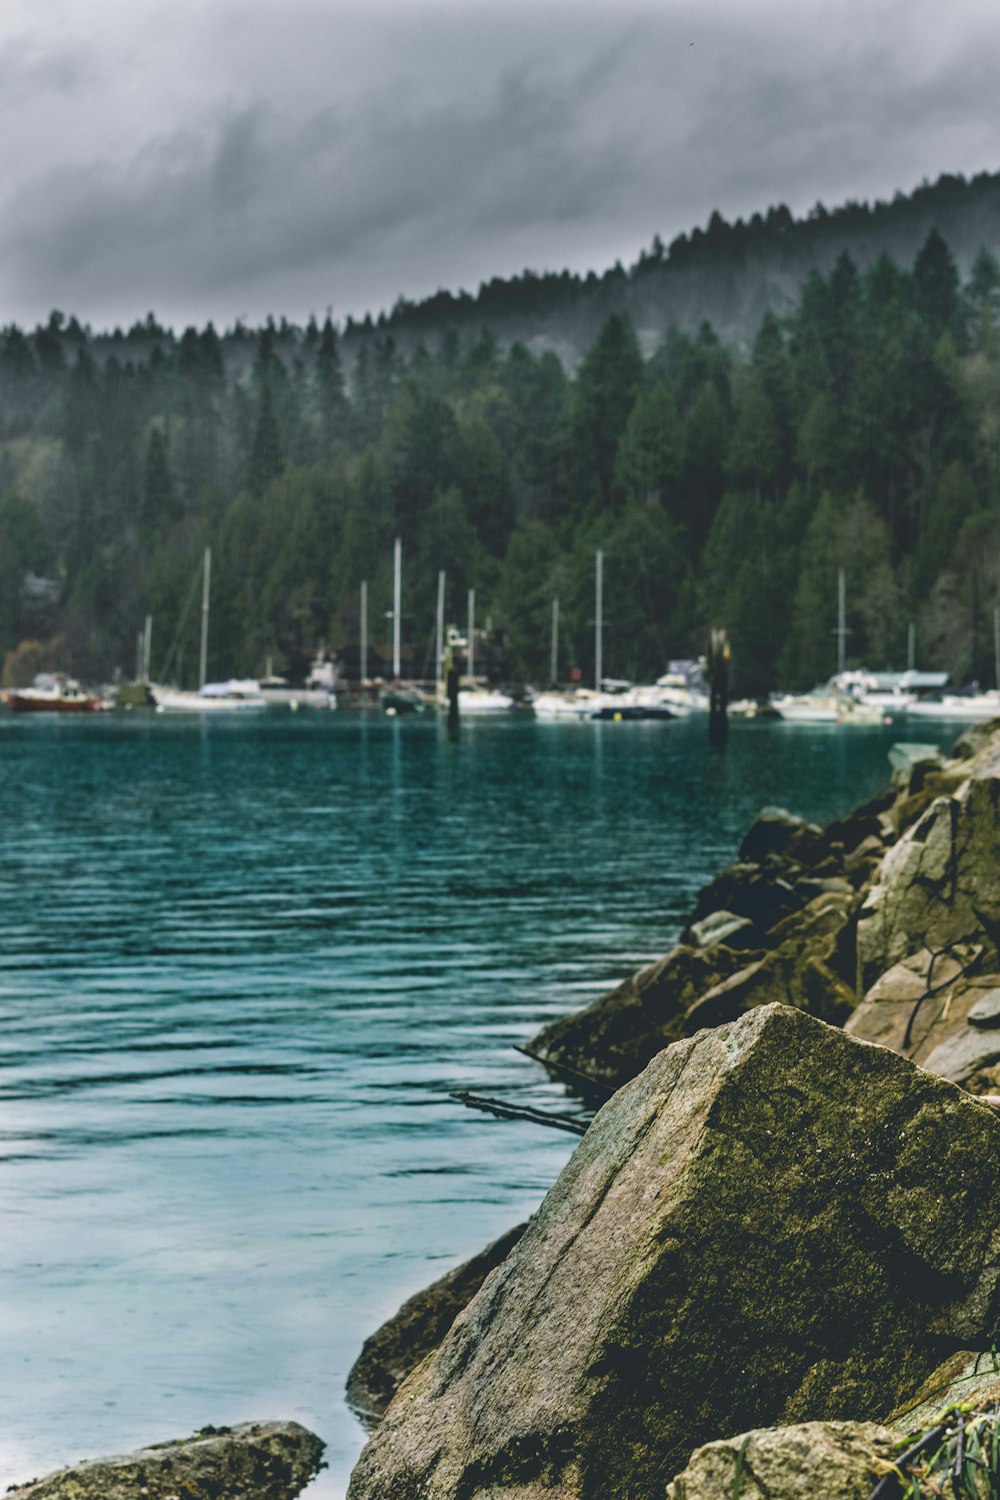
{"points": [[726, 487]]}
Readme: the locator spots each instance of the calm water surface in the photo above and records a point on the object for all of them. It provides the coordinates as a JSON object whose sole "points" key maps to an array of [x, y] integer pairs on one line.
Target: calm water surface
{"points": [[241, 967]]}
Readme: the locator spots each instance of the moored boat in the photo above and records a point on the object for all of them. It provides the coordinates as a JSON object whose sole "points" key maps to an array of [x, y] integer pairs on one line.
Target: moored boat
{"points": [[826, 705], [54, 692], [484, 701], [237, 695], [959, 708], [582, 704], [403, 698]]}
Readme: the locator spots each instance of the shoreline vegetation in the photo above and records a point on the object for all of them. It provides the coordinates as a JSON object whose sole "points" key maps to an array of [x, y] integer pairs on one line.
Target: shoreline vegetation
{"points": [[769, 1267], [725, 476]]}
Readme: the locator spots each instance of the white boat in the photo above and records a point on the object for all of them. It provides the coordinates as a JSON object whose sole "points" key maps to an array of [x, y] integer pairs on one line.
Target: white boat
{"points": [[484, 701], [958, 708], [318, 691], [826, 705], [683, 688], [237, 695], [582, 704], [893, 692]]}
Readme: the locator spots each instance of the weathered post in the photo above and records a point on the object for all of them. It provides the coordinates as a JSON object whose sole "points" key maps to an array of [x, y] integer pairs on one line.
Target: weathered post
{"points": [[452, 676], [718, 684]]}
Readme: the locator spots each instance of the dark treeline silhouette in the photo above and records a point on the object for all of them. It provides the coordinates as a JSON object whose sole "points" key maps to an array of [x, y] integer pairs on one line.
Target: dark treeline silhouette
{"points": [[726, 487]]}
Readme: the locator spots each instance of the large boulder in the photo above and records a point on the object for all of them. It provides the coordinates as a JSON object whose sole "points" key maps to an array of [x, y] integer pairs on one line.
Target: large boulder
{"points": [[773, 1223], [253, 1461], [813, 1461], [940, 884], [421, 1323]]}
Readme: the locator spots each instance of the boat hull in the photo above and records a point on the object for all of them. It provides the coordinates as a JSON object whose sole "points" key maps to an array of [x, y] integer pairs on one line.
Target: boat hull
{"points": [[28, 703], [958, 710], [170, 702]]}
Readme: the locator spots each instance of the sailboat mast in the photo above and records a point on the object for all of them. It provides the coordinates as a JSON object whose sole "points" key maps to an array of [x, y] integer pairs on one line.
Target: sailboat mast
{"points": [[911, 646], [996, 647], [471, 663], [397, 596], [439, 658], [599, 621], [364, 631], [147, 648], [841, 621], [205, 588], [554, 661]]}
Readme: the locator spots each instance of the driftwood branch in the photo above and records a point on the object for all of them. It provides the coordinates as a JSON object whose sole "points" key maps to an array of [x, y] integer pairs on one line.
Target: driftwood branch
{"points": [[573, 1074], [505, 1111]]}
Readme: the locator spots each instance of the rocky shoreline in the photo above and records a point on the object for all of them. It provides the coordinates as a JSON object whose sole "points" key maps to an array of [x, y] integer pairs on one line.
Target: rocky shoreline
{"points": [[776, 1251]]}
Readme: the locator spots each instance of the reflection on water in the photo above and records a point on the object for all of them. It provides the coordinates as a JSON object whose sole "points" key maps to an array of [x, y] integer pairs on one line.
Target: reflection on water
{"points": [[242, 966]]}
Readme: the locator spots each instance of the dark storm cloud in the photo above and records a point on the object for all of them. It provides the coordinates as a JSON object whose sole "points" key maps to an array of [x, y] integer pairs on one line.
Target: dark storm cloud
{"points": [[256, 194], [243, 157]]}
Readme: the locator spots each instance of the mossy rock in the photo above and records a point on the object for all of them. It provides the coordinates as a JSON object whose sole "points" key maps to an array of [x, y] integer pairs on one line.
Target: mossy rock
{"points": [[252, 1461], [772, 1224]]}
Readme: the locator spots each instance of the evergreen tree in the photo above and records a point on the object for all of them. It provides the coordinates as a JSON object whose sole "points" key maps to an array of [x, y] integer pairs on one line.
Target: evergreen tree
{"points": [[936, 289], [649, 454], [265, 456], [331, 392], [605, 390]]}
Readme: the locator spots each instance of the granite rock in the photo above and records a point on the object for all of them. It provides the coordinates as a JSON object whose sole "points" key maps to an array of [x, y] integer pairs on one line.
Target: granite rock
{"points": [[773, 1223], [253, 1461], [832, 1460], [421, 1323]]}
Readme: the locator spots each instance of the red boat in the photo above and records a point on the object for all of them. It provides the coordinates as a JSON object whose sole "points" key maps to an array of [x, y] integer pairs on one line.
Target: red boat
{"points": [[53, 693]]}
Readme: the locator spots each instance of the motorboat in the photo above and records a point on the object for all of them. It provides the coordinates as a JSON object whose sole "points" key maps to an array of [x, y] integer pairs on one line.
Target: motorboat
{"points": [[581, 704], [403, 698], [959, 708], [826, 705], [235, 695], [484, 701], [684, 689], [893, 692], [54, 692]]}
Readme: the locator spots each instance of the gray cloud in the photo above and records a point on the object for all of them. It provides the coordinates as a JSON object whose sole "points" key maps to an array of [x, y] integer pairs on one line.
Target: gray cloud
{"points": [[242, 157]]}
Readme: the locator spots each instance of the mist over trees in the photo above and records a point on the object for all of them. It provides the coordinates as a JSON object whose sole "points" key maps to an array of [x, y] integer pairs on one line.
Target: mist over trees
{"points": [[726, 486]]}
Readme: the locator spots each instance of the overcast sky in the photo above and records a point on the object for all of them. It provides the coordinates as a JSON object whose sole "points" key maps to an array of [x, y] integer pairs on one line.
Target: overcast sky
{"points": [[226, 158]]}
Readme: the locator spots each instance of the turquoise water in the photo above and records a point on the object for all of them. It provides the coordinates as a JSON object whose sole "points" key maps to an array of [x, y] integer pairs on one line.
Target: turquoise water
{"points": [[243, 964]]}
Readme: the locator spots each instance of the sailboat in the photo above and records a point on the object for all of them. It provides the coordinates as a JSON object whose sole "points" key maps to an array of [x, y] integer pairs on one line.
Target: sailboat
{"points": [[235, 695], [399, 697]]}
